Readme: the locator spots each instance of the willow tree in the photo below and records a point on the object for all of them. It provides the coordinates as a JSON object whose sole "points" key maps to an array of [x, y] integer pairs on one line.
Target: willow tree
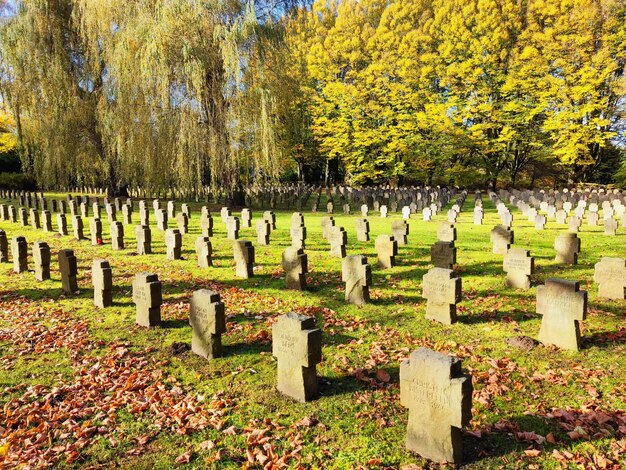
{"points": [[160, 94]]}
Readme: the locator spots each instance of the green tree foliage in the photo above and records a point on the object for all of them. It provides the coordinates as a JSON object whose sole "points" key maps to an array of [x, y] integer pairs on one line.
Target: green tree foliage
{"points": [[464, 91], [159, 94]]}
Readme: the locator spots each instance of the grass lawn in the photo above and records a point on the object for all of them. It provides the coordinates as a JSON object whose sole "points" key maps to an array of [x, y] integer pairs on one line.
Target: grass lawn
{"points": [[83, 386]]}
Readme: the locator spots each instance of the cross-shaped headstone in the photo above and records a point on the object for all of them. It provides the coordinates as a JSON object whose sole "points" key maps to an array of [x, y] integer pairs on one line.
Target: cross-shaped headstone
{"points": [[442, 289], [563, 305], [41, 257], [296, 268], [208, 322], [19, 252], [338, 238], [4, 247], [143, 234], [327, 223], [263, 230], [439, 399], [518, 266], [69, 270], [357, 275], [610, 274], [206, 222], [567, 246], [243, 252], [502, 239], [400, 231], [102, 281], [204, 252], [148, 298], [182, 221], [232, 227], [173, 243], [443, 254], [386, 251], [446, 232], [117, 235], [297, 345], [362, 229], [246, 218]]}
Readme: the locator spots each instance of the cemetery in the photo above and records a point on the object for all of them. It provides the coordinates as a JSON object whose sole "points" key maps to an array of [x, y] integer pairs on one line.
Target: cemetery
{"points": [[143, 346], [313, 234]]}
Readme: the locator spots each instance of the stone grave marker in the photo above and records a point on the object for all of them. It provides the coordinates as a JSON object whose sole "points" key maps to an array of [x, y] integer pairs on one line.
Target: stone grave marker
{"points": [[208, 323], [161, 219], [338, 239], [426, 214], [263, 230], [297, 345], [232, 228], [102, 281], [386, 251], [127, 214], [346, 209], [383, 211], [171, 209], [327, 223], [144, 215], [567, 246], [330, 207], [610, 274], [518, 266], [406, 212], [23, 215], [62, 224], [446, 232], [298, 236], [206, 223], [95, 229], [442, 290], [478, 215], [225, 214], [69, 270], [573, 224], [185, 209], [563, 306], [357, 275], [147, 297], [19, 253], [173, 244], [561, 216], [47, 221], [34, 219], [246, 218], [443, 255], [243, 252], [439, 399], [296, 268], [78, 227], [117, 235], [143, 234], [364, 210], [4, 247], [182, 221], [610, 227], [362, 230], [270, 217], [502, 239], [204, 252], [400, 231], [41, 257], [540, 222]]}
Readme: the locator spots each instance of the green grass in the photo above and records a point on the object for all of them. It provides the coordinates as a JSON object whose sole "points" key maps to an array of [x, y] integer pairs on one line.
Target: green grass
{"points": [[359, 420]]}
